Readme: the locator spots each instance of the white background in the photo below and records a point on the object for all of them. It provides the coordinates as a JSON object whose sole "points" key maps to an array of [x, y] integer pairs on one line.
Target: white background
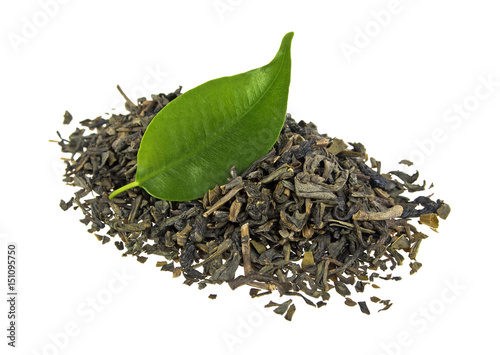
{"points": [[406, 78]]}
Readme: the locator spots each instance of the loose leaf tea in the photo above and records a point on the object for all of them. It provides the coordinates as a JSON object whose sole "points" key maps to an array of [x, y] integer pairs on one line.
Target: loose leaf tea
{"points": [[311, 218], [192, 143]]}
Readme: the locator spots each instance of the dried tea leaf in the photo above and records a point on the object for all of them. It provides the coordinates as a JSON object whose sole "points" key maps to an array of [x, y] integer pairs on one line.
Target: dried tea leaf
{"points": [[364, 307], [258, 246], [307, 260], [291, 311], [67, 118], [387, 304], [430, 220], [176, 272], [401, 243], [282, 308], [66, 205], [359, 287], [443, 211], [253, 292], [341, 288], [320, 304], [409, 179], [415, 266], [414, 249], [306, 300], [406, 162], [349, 302], [392, 212], [336, 146]]}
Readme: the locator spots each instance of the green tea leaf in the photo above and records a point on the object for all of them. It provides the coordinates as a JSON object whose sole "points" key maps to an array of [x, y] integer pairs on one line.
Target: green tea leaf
{"points": [[191, 144]]}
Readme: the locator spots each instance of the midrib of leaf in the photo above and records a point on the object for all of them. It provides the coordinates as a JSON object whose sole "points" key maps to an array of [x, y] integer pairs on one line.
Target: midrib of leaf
{"points": [[216, 136]]}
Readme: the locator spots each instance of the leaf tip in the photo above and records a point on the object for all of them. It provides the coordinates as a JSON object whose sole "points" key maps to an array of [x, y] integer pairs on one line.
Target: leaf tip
{"points": [[287, 39], [284, 50]]}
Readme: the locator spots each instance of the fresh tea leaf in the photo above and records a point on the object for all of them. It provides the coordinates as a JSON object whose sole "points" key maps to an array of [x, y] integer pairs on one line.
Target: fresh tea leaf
{"points": [[191, 144]]}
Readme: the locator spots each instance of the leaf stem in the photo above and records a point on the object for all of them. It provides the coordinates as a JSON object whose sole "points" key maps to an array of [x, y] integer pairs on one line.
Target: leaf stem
{"points": [[123, 188]]}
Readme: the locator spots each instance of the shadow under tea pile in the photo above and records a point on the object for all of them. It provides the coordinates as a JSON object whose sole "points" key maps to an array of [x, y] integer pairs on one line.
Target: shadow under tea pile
{"points": [[308, 217]]}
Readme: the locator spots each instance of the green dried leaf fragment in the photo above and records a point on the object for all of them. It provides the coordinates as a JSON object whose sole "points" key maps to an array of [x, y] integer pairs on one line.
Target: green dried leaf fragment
{"points": [[415, 266], [341, 288], [443, 211], [430, 220], [320, 304], [414, 249], [67, 118], [364, 307], [401, 243], [349, 302], [359, 287], [282, 308], [291, 311], [336, 146]]}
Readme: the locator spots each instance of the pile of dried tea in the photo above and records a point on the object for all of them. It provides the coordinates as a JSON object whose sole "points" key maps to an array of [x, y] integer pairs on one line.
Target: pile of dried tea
{"points": [[308, 217]]}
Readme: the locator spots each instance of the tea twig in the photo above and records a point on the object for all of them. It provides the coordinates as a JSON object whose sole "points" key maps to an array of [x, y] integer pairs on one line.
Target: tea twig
{"points": [[125, 96]]}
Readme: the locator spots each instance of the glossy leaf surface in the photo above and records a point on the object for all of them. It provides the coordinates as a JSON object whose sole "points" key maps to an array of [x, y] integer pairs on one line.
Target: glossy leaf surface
{"points": [[192, 143]]}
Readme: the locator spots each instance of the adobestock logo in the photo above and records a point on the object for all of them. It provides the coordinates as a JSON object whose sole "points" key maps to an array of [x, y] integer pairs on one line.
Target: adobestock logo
{"points": [[421, 320], [246, 326], [32, 25], [462, 110], [222, 7], [87, 311], [59, 169], [453, 119], [363, 35]]}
